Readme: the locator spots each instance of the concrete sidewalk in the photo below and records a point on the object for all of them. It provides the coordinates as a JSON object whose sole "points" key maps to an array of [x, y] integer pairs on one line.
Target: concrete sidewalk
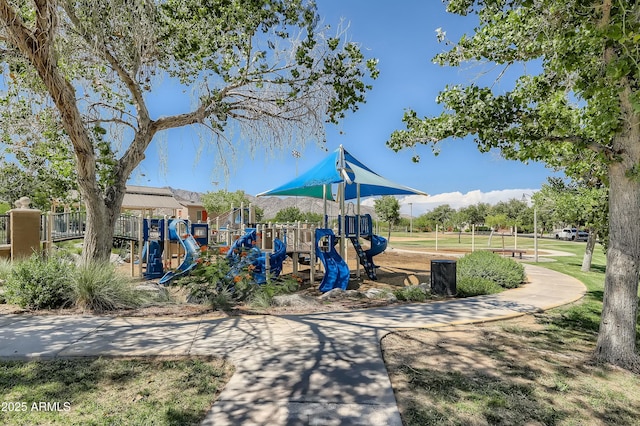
{"points": [[318, 369]]}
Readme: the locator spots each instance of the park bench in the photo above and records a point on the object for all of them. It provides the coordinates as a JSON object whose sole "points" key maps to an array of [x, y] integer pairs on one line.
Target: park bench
{"points": [[512, 251]]}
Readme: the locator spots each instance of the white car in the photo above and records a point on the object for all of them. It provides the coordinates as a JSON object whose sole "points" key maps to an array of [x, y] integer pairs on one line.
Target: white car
{"points": [[568, 234]]}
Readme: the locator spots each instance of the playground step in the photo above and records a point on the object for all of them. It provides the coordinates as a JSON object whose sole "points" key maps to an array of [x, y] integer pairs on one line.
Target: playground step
{"points": [[368, 265]]}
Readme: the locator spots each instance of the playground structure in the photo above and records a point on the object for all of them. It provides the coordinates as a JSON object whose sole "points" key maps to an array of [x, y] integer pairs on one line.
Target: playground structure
{"points": [[304, 243], [155, 242], [263, 262], [158, 236], [24, 231], [354, 180], [239, 232]]}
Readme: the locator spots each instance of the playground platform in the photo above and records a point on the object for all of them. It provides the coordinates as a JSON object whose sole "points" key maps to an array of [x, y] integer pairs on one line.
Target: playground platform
{"points": [[319, 369]]}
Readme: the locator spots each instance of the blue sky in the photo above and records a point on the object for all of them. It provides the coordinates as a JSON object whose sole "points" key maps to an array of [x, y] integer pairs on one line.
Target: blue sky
{"points": [[402, 35]]}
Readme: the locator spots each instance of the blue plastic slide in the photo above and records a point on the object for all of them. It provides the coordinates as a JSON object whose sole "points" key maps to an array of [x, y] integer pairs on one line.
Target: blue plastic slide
{"points": [[254, 256], [378, 245], [336, 270], [275, 262], [191, 249]]}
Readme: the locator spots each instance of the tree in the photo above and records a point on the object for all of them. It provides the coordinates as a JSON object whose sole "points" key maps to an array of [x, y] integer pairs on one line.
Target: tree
{"points": [[459, 219], [497, 221], [516, 211], [312, 217], [289, 214], [40, 171], [476, 213], [441, 215], [583, 103], [388, 210], [263, 68], [580, 205], [219, 202]]}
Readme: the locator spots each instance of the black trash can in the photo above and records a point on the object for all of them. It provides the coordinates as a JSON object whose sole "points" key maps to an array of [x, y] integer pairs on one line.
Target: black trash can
{"points": [[443, 277]]}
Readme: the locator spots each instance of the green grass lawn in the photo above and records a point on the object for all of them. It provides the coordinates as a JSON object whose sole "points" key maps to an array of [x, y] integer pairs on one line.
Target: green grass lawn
{"points": [[467, 241], [540, 373], [110, 391], [584, 315]]}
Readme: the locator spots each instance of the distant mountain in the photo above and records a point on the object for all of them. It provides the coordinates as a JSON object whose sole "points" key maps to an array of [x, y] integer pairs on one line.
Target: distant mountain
{"points": [[272, 205], [191, 197]]}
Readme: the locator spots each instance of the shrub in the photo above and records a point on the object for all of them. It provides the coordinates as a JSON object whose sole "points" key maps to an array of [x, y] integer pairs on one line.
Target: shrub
{"points": [[222, 299], [99, 287], [39, 283], [262, 296], [210, 280], [474, 286], [491, 266], [411, 294], [215, 281]]}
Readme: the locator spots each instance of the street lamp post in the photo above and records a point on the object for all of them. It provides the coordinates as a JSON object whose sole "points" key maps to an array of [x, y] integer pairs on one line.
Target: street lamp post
{"points": [[411, 218], [535, 225], [296, 154]]}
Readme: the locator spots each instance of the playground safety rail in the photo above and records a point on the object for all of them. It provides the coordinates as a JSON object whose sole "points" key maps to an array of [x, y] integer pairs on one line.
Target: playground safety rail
{"points": [[72, 225], [5, 227]]}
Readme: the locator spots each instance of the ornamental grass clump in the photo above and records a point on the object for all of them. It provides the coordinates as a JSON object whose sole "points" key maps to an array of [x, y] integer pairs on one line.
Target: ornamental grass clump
{"points": [[262, 296], [5, 269], [99, 287], [484, 265]]}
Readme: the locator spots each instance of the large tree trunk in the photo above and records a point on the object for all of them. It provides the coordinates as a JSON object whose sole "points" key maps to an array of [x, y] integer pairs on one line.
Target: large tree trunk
{"points": [[98, 237], [588, 252], [617, 335]]}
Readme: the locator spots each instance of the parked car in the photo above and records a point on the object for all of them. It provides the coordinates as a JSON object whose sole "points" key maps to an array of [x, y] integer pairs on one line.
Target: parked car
{"points": [[568, 234], [582, 236]]}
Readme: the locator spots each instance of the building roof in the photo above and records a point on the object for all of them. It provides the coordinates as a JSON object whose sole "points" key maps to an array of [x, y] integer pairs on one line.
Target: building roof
{"points": [[145, 197], [188, 203]]}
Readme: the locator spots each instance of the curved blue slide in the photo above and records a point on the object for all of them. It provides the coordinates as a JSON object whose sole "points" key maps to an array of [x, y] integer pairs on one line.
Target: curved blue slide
{"points": [[191, 249], [256, 257], [378, 245], [336, 270]]}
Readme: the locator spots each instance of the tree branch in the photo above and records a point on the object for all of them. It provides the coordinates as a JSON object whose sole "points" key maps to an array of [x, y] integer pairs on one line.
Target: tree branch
{"points": [[37, 50], [128, 80]]}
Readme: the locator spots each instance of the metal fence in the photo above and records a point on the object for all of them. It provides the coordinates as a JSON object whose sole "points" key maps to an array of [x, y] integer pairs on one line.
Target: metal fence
{"points": [[67, 226], [5, 229], [72, 225], [128, 227]]}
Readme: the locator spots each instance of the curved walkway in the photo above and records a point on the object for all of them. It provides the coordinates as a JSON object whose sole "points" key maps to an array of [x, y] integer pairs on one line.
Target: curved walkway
{"points": [[317, 369]]}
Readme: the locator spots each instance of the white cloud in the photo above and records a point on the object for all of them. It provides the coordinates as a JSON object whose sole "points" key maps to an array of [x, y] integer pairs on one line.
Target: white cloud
{"points": [[422, 204]]}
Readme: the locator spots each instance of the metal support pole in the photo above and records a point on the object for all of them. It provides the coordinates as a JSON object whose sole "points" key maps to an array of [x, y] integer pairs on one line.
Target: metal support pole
{"points": [[535, 232]]}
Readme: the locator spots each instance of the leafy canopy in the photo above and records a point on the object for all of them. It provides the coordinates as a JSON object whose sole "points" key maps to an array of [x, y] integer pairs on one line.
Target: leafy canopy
{"points": [[261, 73], [388, 209], [570, 107], [294, 214], [219, 202]]}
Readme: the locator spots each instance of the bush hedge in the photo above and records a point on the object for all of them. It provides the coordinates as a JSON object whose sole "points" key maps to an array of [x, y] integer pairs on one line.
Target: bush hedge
{"points": [[39, 283], [474, 286], [485, 265]]}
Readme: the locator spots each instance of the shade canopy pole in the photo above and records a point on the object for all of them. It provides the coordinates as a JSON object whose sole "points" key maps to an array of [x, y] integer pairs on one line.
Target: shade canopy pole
{"points": [[343, 219], [325, 219], [358, 228]]}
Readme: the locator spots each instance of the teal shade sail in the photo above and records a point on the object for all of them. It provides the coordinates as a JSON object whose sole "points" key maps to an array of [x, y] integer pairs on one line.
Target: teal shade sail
{"points": [[338, 167]]}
